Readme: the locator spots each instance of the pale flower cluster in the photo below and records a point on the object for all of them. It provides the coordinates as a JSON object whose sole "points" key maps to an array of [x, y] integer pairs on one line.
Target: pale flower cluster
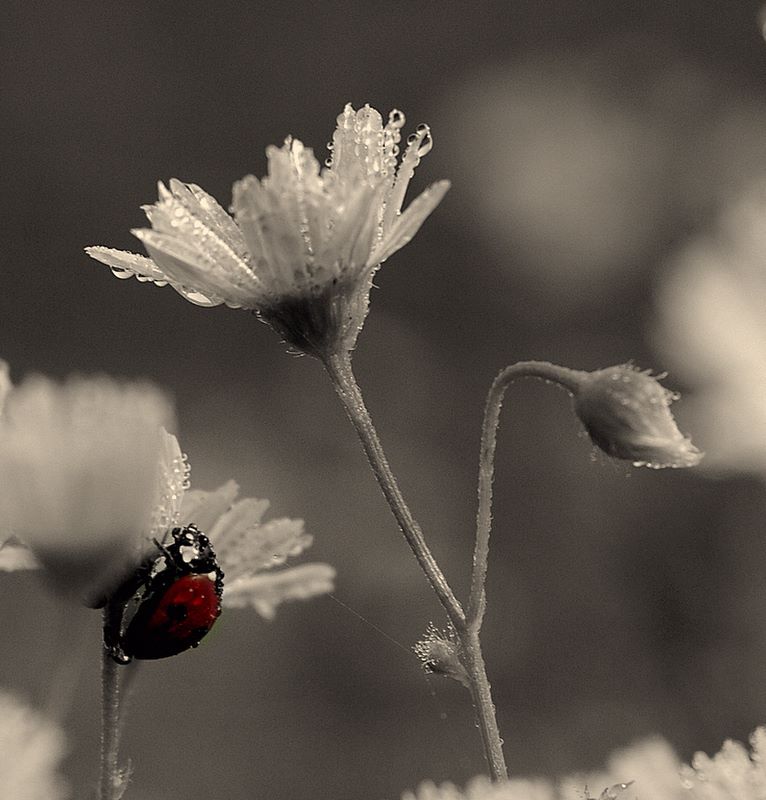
{"points": [[304, 241], [649, 770]]}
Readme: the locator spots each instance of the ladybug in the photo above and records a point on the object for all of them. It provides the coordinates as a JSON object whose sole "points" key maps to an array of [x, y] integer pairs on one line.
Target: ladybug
{"points": [[169, 603]]}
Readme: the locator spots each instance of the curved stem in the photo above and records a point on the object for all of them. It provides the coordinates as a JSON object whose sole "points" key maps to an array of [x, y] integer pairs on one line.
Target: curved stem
{"points": [[339, 369], [110, 780], [342, 376], [569, 379]]}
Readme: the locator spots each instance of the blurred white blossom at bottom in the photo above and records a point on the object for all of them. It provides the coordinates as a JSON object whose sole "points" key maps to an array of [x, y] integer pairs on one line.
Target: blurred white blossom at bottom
{"points": [[649, 770], [31, 749]]}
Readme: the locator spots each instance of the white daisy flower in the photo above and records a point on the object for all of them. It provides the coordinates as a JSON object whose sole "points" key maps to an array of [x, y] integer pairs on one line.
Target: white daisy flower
{"points": [[305, 241]]}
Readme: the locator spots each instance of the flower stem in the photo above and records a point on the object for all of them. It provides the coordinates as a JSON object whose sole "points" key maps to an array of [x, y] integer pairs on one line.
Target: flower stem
{"points": [[481, 694], [339, 369], [110, 781], [563, 376], [342, 376]]}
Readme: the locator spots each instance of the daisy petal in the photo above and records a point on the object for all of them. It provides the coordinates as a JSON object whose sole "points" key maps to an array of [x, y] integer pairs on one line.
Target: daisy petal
{"points": [[173, 480], [418, 144], [244, 549], [265, 592], [207, 209], [203, 509], [408, 224], [126, 265]]}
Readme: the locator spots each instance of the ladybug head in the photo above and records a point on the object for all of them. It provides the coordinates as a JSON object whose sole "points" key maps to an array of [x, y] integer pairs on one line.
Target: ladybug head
{"points": [[192, 547]]}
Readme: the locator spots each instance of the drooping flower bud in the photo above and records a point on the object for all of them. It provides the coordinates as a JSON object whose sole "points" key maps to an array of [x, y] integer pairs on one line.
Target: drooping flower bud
{"points": [[627, 414]]}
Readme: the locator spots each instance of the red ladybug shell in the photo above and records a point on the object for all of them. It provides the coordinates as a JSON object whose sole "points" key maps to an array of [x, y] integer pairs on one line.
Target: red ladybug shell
{"points": [[175, 619]]}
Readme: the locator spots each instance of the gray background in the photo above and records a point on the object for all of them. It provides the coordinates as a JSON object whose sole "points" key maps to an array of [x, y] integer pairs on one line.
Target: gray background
{"points": [[622, 602]]}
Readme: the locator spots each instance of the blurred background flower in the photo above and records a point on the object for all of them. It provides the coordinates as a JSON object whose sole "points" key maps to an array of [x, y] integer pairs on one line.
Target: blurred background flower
{"points": [[712, 327], [31, 751], [586, 144], [79, 463], [656, 772]]}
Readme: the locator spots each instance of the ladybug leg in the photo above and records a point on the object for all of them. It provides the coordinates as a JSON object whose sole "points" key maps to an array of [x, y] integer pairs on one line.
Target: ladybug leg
{"points": [[114, 611], [165, 552], [161, 547]]}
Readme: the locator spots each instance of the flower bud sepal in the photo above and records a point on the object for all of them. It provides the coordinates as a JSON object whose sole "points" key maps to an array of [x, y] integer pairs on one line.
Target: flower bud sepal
{"points": [[440, 653], [321, 323]]}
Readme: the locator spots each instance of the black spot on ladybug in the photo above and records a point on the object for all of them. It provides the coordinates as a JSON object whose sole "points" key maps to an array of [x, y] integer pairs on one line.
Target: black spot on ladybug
{"points": [[169, 604], [177, 612]]}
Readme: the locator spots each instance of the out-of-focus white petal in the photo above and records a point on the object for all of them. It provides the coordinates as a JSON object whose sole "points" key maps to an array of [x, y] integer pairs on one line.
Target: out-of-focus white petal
{"points": [[78, 469], [15, 556], [652, 764], [732, 772], [265, 592], [712, 329], [5, 384], [31, 750]]}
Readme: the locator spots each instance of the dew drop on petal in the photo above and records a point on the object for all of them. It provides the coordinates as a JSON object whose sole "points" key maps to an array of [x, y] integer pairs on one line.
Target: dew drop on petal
{"points": [[395, 118]]}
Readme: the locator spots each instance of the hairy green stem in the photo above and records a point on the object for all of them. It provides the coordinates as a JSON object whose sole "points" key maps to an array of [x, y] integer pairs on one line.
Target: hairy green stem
{"points": [[481, 694], [339, 369], [569, 379], [110, 780]]}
